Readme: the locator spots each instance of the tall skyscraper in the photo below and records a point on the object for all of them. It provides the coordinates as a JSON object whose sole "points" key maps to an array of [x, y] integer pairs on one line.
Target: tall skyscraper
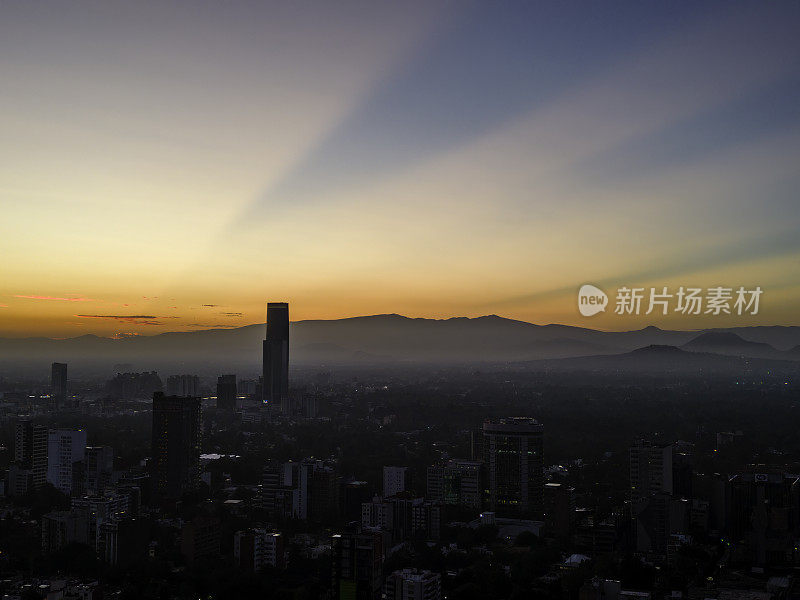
{"points": [[276, 356], [650, 469], [513, 452], [66, 453], [30, 451], [177, 430], [226, 392], [58, 385]]}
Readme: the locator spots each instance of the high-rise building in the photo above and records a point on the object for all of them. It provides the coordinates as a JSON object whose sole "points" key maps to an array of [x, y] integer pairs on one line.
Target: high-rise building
{"points": [[653, 523], [63, 527], [403, 515], [356, 564], [323, 497], [30, 451], [512, 450], [377, 514], [58, 385], [476, 443], [111, 507], [183, 385], [426, 521], [276, 356], [456, 482], [99, 468], [413, 584], [177, 430], [683, 470], [559, 508], [254, 549], [650, 469], [226, 392], [354, 494], [200, 539], [763, 519], [124, 540], [66, 455], [395, 480]]}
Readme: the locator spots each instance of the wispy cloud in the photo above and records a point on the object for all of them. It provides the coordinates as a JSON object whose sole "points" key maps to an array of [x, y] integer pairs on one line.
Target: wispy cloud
{"points": [[232, 314], [36, 297], [131, 319]]}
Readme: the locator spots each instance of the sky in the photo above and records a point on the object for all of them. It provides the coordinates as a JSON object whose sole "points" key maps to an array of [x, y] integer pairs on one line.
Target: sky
{"points": [[170, 166]]}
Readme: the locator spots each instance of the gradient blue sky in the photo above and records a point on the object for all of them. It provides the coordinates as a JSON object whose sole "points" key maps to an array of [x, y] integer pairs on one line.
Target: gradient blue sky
{"points": [[173, 165]]}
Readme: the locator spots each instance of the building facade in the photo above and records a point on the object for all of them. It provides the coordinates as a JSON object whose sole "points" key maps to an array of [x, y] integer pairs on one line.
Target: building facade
{"points": [[512, 450], [276, 357], [177, 431], [66, 455]]}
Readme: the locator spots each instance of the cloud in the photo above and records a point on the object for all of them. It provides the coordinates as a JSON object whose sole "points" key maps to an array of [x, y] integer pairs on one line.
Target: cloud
{"points": [[34, 297], [210, 305], [119, 316], [3, 305], [131, 319], [232, 314]]}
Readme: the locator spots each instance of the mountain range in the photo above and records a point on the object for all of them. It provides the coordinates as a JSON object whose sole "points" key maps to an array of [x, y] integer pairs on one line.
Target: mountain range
{"points": [[392, 338]]}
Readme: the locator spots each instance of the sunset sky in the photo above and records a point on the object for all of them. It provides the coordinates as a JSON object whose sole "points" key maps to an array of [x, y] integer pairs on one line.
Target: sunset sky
{"points": [[173, 165]]}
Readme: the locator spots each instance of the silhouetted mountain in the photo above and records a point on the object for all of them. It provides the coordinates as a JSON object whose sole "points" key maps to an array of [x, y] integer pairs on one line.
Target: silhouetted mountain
{"points": [[659, 359], [725, 342], [380, 339]]}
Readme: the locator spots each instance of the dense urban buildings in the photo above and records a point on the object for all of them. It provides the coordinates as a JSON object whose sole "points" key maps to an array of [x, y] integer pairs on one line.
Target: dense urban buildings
{"points": [[385, 490], [413, 584], [183, 385], [276, 357]]}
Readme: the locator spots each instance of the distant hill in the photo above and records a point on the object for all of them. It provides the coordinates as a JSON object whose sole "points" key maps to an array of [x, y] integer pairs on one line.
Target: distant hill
{"points": [[656, 359], [383, 339], [726, 342]]}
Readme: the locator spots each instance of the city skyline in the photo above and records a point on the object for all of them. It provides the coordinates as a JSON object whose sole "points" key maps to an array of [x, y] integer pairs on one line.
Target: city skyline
{"points": [[542, 261], [428, 159]]}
